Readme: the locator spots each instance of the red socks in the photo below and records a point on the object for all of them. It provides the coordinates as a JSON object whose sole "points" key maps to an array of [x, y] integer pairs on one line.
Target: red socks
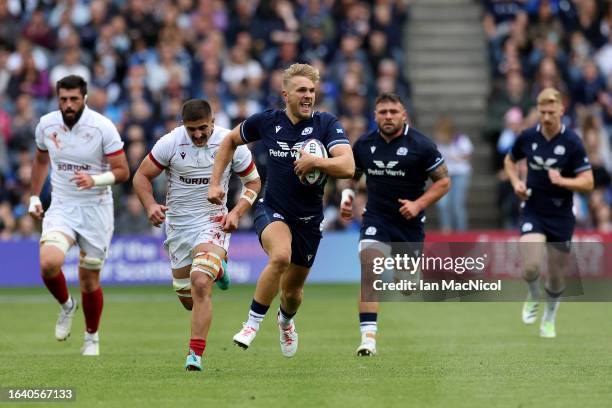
{"points": [[57, 287], [197, 346], [92, 308]]}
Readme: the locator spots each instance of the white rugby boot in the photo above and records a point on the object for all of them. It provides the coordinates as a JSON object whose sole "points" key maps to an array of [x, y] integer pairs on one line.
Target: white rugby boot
{"points": [[367, 348], [288, 339], [245, 336], [91, 346], [64, 321]]}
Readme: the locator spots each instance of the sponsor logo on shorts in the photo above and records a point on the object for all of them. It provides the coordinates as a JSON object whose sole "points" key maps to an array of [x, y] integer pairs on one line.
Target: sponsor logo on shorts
{"points": [[277, 215], [370, 231], [309, 257], [183, 155]]}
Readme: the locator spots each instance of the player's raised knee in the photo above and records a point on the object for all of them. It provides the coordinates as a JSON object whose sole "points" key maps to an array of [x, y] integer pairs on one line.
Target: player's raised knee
{"points": [[205, 269], [54, 246], [280, 259]]}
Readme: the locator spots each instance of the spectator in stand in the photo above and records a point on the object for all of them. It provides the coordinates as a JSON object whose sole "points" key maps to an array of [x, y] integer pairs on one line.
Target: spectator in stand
{"points": [[456, 148]]}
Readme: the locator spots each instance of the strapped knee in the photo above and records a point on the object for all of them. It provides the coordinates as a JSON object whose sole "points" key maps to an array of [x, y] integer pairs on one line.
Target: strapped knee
{"points": [[57, 239], [208, 263], [180, 285], [90, 262]]}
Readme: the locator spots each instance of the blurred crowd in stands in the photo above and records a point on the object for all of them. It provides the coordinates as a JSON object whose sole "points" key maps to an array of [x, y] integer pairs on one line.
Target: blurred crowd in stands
{"points": [[565, 44], [143, 58]]}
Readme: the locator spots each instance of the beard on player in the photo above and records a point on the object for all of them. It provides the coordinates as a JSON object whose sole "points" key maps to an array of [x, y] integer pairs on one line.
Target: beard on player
{"points": [[71, 117]]}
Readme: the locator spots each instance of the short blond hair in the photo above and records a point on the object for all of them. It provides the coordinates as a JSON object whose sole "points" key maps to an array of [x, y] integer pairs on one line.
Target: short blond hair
{"points": [[304, 70], [549, 95]]}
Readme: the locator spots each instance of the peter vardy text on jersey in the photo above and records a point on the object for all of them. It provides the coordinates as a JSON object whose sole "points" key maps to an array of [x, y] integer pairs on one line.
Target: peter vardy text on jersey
{"points": [[281, 153]]}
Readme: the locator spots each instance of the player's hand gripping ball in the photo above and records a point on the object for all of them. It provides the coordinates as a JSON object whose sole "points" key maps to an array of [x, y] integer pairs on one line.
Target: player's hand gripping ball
{"points": [[315, 148]]}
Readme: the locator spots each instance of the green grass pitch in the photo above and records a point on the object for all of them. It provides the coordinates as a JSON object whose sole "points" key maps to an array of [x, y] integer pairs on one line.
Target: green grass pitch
{"points": [[430, 354]]}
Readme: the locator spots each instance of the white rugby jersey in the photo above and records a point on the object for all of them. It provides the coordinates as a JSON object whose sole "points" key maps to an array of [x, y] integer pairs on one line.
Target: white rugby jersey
{"points": [[189, 170], [84, 147]]}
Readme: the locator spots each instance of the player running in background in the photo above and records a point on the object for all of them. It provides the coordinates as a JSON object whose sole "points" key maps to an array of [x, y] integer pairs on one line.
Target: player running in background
{"points": [[198, 232], [86, 155], [397, 160], [557, 166], [289, 215]]}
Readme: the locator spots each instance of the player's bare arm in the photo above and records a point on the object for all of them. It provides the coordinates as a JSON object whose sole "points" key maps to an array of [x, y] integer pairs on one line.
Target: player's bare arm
{"points": [[341, 164], [582, 183], [511, 169], [250, 189], [144, 189], [440, 186], [224, 155], [348, 195], [40, 170], [118, 173]]}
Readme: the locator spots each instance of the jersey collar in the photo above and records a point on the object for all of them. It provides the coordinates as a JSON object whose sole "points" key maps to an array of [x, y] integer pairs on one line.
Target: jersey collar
{"points": [[404, 133], [539, 130]]}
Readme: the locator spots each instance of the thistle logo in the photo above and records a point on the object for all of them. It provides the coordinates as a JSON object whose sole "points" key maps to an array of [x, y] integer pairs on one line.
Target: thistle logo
{"points": [[559, 150], [541, 164], [307, 131], [402, 151]]}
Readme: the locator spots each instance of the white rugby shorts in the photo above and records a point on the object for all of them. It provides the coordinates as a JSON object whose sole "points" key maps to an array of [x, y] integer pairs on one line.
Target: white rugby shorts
{"points": [[180, 241], [90, 226]]}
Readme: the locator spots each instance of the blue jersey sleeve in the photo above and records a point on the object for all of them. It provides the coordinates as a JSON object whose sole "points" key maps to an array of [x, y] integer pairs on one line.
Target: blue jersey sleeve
{"points": [[250, 128], [432, 158], [517, 153], [579, 160], [334, 134]]}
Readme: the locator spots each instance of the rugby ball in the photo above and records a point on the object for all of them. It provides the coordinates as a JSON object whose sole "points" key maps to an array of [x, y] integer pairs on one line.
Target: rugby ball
{"points": [[316, 148]]}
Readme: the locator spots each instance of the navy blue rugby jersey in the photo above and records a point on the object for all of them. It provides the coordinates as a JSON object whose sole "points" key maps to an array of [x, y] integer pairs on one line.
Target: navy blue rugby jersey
{"points": [[394, 170], [283, 190], [565, 153]]}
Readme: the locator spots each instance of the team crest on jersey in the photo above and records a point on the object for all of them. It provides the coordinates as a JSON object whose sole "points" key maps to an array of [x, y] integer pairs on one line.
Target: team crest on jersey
{"points": [[55, 140], [183, 155], [307, 131], [559, 150], [534, 146], [402, 151], [527, 227], [372, 149]]}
